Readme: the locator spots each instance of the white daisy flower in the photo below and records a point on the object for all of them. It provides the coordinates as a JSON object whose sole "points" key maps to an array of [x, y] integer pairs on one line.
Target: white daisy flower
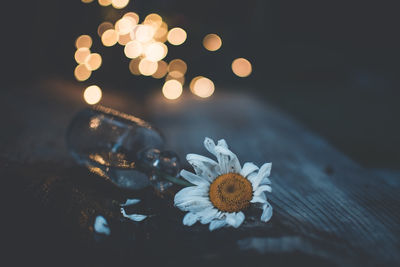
{"points": [[222, 190]]}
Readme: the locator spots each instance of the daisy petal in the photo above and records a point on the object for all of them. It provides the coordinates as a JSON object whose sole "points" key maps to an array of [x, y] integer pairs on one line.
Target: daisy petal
{"points": [[215, 224], [129, 202], [267, 212], [207, 215], [193, 178], [261, 198], [191, 199], [248, 168], [101, 226], [203, 166], [265, 180], [228, 161], [133, 217], [190, 219], [261, 189], [264, 171], [222, 143], [209, 145], [235, 219]]}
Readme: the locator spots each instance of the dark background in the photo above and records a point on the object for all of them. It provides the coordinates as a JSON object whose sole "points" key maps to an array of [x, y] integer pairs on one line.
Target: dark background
{"points": [[333, 65]]}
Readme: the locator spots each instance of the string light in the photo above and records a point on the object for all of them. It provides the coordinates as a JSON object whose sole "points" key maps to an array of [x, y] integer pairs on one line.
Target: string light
{"points": [[176, 36], [212, 42], [172, 89], [109, 37], [202, 87], [82, 73], [119, 4], [92, 94], [83, 41], [241, 67], [93, 61]]}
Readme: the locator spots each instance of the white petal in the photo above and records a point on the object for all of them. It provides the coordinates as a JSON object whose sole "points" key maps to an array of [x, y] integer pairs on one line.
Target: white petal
{"points": [[207, 215], [261, 189], [209, 145], [222, 143], [248, 168], [235, 219], [190, 219], [101, 226], [264, 171], [203, 166], [215, 224], [192, 198], [193, 178], [228, 161], [133, 217], [261, 198], [129, 202], [267, 212], [265, 180]]}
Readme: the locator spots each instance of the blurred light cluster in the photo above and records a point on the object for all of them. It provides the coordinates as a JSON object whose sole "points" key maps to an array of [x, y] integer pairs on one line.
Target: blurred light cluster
{"points": [[145, 45], [87, 61]]}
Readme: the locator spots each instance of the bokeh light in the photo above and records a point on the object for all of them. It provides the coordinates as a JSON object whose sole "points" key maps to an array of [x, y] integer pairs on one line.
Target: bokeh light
{"points": [[180, 79], [87, 1], [176, 36], [119, 4], [161, 33], [93, 61], [133, 49], [103, 27], [104, 2], [162, 70], [202, 87], [125, 25], [212, 42], [82, 73], [81, 54], [241, 67], [147, 67], [172, 89], [144, 33], [134, 66], [124, 39], [132, 15], [156, 51], [109, 37], [177, 68], [153, 19], [92, 94], [83, 41]]}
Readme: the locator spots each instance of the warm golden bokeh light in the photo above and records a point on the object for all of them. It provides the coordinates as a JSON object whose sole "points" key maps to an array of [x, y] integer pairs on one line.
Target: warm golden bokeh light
{"points": [[92, 94], [93, 61], [144, 33], [147, 67], [124, 39], [156, 51], [83, 41], [202, 87], [134, 66], [161, 33], [103, 27], [180, 79], [133, 49], [109, 37], [176, 36], [132, 15], [241, 67], [212, 42], [87, 1], [82, 73], [177, 66], [125, 25], [153, 19], [162, 69], [104, 2], [172, 89], [81, 54], [119, 4]]}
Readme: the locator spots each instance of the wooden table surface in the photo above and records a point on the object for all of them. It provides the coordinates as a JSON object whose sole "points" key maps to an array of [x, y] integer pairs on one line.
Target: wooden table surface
{"points": [[327, 209]]}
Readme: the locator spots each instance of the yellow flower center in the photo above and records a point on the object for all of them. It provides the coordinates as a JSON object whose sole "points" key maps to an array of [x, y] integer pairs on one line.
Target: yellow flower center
{"points": [[231, 192]]}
